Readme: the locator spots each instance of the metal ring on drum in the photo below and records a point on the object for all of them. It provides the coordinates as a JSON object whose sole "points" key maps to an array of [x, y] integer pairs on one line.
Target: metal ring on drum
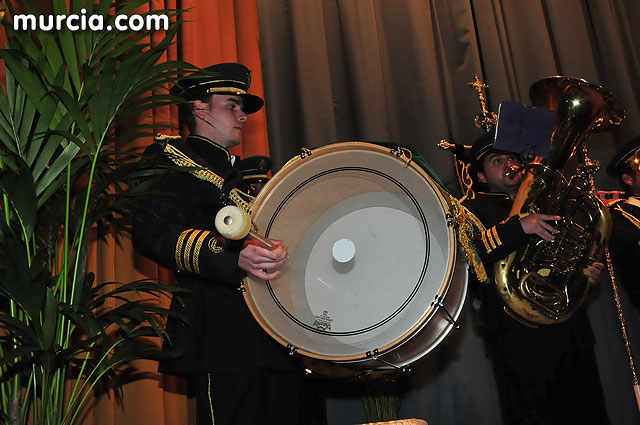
{"points": [[374, 280]]}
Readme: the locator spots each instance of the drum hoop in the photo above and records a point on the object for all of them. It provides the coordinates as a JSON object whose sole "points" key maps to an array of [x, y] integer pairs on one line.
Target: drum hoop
{"points": [[264, 196]]}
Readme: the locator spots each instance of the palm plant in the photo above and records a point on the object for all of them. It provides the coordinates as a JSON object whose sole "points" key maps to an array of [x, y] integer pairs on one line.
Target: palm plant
{"points": [[68, 112]]}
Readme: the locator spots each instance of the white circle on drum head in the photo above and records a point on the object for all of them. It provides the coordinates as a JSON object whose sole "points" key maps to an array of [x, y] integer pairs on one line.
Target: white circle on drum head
{"points": [[378, 282], [343, 250]]}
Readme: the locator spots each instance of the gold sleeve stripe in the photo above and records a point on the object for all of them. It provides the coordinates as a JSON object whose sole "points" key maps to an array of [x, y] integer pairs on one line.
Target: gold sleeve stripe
{"points": [[187, 250], [494, 232], [196, 251], [487, 246], [179, 248], [490, 238]]}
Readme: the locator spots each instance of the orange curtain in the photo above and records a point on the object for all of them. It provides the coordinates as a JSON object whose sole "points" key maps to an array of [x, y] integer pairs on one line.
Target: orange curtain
{"points": [[215, 31]]}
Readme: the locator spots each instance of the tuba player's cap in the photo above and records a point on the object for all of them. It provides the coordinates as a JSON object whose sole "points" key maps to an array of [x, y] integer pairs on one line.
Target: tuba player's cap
{"points": [[482, 146], [223, 78], [628, 154]]}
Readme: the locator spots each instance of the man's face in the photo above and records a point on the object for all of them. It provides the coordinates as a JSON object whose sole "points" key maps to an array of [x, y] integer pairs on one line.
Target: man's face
{"points": [[495, 176], [633, 180], [221, 119]]}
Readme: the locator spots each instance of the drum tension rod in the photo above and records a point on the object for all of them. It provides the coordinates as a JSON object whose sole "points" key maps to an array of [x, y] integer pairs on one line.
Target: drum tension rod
{"points": [[374, 356], [292, 350], [438, 303], [399, 151], [304, 152]]}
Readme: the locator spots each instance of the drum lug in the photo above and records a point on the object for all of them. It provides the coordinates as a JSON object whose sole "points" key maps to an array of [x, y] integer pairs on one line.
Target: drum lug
{"points": [[438, 303], [400, 151], [396, 151], [292, 350], [450, 219], [374, 355], [304, 152]]}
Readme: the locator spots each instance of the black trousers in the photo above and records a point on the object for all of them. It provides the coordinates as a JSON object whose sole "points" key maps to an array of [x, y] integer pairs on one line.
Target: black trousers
{"points": [[547, 386], [245, 397]]}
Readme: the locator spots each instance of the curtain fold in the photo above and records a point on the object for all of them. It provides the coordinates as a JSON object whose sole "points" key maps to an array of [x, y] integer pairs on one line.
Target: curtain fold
{"points": [[380, 70]]}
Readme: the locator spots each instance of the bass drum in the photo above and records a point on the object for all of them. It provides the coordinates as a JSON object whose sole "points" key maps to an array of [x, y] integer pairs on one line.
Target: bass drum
{"points": [[374, 281]]}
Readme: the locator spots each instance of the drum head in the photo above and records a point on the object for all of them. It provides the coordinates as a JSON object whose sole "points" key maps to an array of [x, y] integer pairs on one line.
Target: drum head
{"points": [[370, 252]]}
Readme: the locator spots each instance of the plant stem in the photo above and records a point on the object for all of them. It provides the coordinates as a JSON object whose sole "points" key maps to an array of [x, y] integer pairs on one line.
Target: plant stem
{"points": [[73, 399], [35, 394], [72, 396], [3, 386]]}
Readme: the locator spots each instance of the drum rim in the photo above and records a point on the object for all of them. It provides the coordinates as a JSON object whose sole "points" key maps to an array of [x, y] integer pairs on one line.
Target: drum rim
{"points": [[264, 196]]}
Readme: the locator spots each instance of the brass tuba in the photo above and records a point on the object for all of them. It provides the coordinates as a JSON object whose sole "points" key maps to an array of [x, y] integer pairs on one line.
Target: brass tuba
{"points": [[545, 282]]}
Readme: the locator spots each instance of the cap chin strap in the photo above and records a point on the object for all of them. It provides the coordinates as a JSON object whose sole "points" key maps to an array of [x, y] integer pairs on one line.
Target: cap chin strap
{"points": [[211, 125]]}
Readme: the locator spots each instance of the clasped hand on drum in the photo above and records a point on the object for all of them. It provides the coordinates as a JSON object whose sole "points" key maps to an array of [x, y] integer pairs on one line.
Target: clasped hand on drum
{"points": [[261, 262]]}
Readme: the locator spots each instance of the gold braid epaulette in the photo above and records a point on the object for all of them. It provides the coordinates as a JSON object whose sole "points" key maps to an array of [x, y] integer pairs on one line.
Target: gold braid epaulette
{"points": [[241, 199], [467, 224], [632, 218]]}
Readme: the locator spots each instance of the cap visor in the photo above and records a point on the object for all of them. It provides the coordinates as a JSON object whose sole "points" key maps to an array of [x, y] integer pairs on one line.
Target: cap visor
{"points": [[252, 103]]}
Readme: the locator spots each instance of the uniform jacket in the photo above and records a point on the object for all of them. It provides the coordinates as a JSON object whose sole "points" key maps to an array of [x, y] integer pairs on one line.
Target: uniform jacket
{"points": [[175, 227], [502, 236], [625, 245]]}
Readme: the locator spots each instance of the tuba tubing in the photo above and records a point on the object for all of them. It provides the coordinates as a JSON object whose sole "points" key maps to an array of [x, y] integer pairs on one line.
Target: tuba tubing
{"points": [[543, 282]]}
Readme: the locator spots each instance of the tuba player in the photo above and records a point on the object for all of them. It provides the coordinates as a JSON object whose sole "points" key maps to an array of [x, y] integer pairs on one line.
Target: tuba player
{"points": [[545, 375]]}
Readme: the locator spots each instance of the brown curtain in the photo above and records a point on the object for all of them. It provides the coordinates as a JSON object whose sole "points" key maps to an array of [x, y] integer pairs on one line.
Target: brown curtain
{"points": [[382, 70], [398, 70]]}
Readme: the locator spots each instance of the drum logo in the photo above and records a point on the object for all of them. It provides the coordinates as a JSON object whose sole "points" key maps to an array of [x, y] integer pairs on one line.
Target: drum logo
{"points": [[323, 322]]}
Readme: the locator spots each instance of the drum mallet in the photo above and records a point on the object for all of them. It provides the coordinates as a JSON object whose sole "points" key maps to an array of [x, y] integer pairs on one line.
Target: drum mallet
{"points": [[234, 223]]}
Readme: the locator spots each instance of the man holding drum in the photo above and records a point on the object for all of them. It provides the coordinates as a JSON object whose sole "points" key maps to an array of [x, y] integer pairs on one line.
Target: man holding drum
{"points": [[545, 375], [240, 374]]}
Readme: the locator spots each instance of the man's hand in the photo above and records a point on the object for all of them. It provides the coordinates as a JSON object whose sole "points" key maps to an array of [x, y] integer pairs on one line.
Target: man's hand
{"points": [[593, 272], [255, 260], [536, 224]]}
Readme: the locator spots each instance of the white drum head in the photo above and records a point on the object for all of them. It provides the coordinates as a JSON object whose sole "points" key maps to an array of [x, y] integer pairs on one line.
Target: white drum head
{"points": [[370, 252]]}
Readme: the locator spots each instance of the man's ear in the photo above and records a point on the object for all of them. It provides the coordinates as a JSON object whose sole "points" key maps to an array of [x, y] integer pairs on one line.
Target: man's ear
{"points": [[481, 177], [199, 108], [627, 179]]}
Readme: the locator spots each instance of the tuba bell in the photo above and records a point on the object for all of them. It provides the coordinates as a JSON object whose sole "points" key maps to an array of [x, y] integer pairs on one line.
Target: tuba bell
{"points": [[544, 282]]}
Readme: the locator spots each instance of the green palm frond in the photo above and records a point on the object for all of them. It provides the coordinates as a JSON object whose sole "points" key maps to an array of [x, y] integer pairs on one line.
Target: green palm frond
{"points": [[69, 112]]}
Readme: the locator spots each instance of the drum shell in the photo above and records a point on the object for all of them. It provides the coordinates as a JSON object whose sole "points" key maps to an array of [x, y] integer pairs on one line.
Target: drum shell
{"points": [[351, 162]]}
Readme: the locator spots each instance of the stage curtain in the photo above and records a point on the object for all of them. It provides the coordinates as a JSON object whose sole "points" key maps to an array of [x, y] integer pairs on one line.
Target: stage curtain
{"points": [[382, 70], [398, 70]]}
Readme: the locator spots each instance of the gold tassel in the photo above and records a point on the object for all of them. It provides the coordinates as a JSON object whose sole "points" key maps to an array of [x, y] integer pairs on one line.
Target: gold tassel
{"points": [[467, 225]]}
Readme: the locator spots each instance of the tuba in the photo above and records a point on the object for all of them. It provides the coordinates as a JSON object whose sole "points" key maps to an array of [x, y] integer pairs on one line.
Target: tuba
{"points": [[544, 282]]}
